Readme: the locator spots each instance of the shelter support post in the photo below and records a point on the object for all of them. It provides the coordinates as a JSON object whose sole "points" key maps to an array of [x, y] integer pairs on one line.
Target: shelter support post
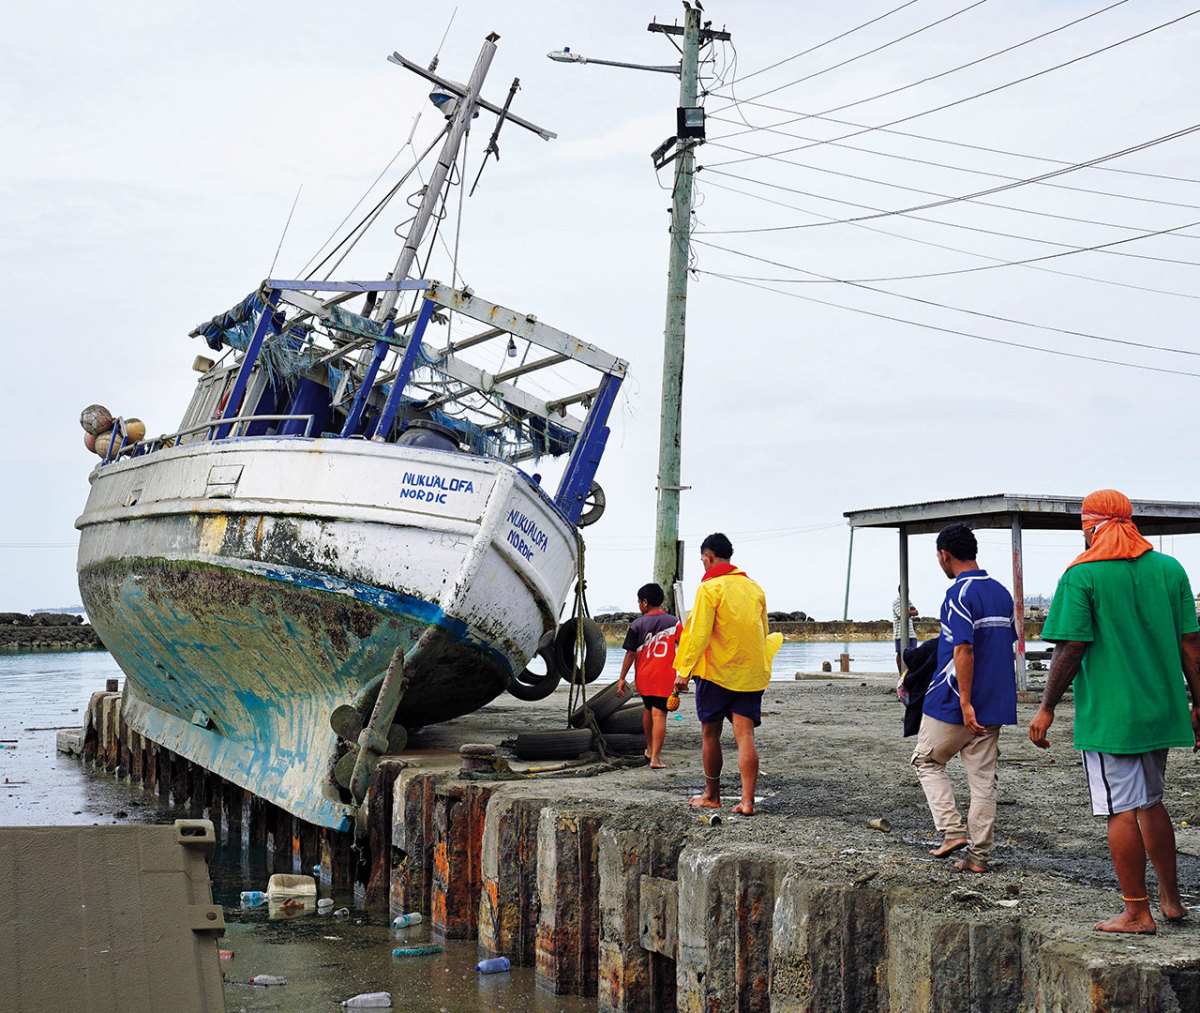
{"points": [[903, 588], [849, 561], [1018, 565]]}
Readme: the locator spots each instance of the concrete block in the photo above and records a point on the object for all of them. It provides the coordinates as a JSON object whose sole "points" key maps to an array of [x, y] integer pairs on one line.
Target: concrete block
{"points": [[567, 947], [458, 817], [726, 904], [659, 916], [828, 947], [412, 840], [1069, 979], [942, 961], [380, 802], [638, 903], [508, 898]]}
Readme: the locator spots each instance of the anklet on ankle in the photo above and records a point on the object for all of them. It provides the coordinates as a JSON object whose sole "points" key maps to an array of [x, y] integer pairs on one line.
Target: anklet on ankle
{"points": [[1134, 900]]}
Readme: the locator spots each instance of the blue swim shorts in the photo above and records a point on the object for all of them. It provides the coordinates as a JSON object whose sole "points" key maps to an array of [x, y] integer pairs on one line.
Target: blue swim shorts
{"points": [[716, 703]]}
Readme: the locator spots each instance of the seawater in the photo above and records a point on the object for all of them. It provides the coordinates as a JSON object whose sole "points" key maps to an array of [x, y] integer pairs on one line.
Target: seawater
{"points": [[804, 656], [324, 959]]}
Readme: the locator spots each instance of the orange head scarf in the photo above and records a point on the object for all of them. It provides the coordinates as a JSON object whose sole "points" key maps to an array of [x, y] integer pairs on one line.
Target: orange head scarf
{"points": [[1110, 514]]}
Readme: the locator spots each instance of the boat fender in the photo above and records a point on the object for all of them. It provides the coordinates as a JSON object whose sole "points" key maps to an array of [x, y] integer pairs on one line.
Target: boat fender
{"points": [[531, 686], [595, 649], [593, 506]]}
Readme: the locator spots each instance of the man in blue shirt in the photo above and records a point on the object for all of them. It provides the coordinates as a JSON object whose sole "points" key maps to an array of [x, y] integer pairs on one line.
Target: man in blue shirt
{"points": [[970, 696]]}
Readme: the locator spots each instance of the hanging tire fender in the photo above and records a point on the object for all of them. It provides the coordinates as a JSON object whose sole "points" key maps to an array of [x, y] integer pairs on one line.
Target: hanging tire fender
{"points": [[530, 686], [595, 649]]}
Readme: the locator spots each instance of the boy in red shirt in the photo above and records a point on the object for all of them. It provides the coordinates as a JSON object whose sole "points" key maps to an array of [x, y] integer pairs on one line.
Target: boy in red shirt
{"points": [[650, 647]]}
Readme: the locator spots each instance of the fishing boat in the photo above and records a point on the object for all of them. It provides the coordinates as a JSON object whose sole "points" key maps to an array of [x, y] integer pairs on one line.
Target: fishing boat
{"points": [[345, 539]]}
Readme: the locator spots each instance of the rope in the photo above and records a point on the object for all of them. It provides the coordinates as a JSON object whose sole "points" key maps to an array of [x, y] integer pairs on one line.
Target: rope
{"points": [[578, 683]]}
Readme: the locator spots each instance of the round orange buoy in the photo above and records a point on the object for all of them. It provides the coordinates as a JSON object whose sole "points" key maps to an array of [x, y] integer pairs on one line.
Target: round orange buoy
{"points": [[135, 429], [106, 441], [673, 702], [89, 441]]}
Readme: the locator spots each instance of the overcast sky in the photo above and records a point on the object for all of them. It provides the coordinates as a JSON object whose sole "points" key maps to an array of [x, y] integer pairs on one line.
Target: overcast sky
{"points": [[154, 151]]}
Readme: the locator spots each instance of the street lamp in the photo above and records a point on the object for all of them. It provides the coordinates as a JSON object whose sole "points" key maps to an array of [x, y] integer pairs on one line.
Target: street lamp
{"points": [[565, 55], [689, 133]]}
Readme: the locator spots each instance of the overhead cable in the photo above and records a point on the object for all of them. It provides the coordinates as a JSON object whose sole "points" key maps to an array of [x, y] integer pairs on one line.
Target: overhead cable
{"points": [[822, 45], [957, 333], [988, 91], [943, 246], [944, 73], [960, 144], [1053, 173], [877, 49], [823, 279], [974, 270]]}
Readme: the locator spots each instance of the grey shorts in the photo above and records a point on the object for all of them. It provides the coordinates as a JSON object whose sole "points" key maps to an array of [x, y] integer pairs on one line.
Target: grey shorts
{"points": [[1119, 782]]}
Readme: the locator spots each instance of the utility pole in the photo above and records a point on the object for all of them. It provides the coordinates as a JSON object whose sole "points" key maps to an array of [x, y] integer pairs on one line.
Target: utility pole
{"points": [[690, 134]]}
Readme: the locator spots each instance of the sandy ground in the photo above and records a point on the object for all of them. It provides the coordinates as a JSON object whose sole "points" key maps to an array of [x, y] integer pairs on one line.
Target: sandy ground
{"points": [[833, 757]]}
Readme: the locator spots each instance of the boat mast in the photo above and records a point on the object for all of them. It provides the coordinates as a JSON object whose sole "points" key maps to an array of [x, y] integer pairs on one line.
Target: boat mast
{"points": [[433, 192]]}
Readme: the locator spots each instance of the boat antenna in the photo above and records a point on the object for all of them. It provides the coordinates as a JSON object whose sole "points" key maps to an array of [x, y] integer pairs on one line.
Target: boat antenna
{"points": [[492, 147], [283, 235], [433, 64]]}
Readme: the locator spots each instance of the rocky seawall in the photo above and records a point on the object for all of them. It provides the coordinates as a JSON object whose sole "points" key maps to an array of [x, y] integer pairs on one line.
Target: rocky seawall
{"points": [[54, 631], [836, 630]]}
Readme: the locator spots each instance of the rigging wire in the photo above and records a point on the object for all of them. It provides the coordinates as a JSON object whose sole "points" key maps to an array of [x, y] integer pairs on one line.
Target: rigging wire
{"points": [[988, 191], [982, 94], [942, 246], [952, 70], [962, 334]]}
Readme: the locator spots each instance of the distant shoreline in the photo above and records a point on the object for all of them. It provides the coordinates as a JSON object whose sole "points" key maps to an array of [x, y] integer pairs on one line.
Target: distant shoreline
{"points": [[836, 631], [46, 631]]}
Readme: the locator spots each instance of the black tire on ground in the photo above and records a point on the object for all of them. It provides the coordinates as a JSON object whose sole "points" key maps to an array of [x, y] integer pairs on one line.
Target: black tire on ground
{"points": [[561, 745], [601, 704], [595, 649], [625, 745], [626, 721]]}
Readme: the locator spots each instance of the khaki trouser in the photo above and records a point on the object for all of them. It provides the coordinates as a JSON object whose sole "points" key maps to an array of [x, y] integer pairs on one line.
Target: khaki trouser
{"points": [[937, 742]]}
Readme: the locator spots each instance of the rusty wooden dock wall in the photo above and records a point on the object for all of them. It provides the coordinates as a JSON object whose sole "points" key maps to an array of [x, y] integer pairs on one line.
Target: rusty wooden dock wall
{"points": [[642, 918]]}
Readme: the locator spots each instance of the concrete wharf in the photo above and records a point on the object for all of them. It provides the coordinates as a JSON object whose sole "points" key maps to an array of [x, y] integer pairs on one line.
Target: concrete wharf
{"points": [[612, 886]]}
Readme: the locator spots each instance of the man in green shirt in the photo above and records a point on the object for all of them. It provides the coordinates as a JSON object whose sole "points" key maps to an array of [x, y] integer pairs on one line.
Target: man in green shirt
{"points": [[1124, 622]]}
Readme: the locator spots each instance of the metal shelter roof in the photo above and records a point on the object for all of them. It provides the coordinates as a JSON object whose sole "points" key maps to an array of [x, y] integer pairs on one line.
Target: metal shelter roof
{"points": [[1031, 513]]}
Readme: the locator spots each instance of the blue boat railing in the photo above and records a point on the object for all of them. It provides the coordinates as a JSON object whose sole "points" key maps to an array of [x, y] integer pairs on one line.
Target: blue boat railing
{"points": [[149, 446]]}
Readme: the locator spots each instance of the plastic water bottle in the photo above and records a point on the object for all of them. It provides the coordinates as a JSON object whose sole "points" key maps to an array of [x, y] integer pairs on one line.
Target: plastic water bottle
{"points": [[416, 951], [324, 904], [342, 912], [253, 898], [268, 979], [370, 1000], [493, 965], [404, 921]]}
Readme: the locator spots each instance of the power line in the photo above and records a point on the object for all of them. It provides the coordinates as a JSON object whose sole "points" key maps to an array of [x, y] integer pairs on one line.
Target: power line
{"points": [[987, 192], [988, 91], [975, 228], [877, 49], [958, 333], [952, 70], [943, 246], [822, 45], [714, 141], [973, 270], [826, 279], [955, 144]]}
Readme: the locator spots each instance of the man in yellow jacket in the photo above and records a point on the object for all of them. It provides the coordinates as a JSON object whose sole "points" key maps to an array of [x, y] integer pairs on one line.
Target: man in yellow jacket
{"points": [[725, 645]]}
